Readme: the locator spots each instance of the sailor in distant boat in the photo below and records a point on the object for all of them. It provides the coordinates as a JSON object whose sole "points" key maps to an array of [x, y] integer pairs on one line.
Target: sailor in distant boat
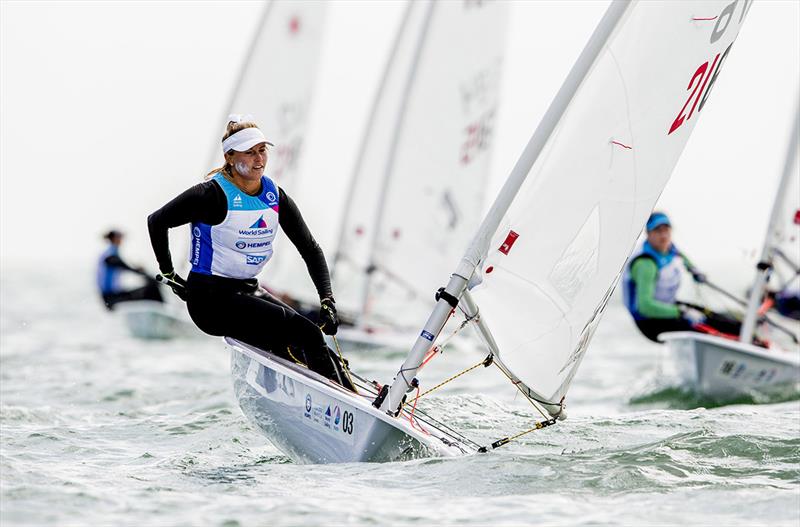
{"points": [[109, 270], [651, 282], [234, 217]]}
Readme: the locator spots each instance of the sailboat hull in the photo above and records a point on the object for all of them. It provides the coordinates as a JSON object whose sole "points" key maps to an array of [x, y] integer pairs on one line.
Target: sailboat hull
{"points": [[724, 369], [312, 420]]}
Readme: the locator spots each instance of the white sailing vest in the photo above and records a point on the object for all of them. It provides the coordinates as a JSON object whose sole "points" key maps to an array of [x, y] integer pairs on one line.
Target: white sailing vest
{"points": [[668, 281], [241, 245]]}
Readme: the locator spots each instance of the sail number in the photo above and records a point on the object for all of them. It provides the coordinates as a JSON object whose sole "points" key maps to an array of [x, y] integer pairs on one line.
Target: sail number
{"points": [[347, 422], [704, 76]]}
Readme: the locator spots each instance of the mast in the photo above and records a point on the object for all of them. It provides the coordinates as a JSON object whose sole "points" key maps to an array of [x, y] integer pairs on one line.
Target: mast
{"points": [[764, 266], [480, 243]]}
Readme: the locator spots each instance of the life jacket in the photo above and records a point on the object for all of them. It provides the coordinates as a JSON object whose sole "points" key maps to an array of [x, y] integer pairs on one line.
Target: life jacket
{"points": [[668, 280], [107, 275], [241, 245]]}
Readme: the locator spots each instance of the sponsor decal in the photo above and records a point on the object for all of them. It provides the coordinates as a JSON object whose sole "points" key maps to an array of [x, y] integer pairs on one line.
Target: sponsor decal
{"points": [[308, 406], [252, 259], [259, 224], [241, 244], [271, 197], [254, 232], [427, 335], [328, 417], [509, 242], [196, 232], [337, 418]]}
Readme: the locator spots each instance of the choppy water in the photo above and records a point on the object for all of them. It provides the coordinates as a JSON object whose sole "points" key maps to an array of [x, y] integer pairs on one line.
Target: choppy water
{"points": [[98, 428]]}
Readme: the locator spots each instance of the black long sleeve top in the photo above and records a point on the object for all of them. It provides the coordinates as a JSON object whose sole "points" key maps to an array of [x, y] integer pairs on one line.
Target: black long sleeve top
{"points": [[206, 203]]}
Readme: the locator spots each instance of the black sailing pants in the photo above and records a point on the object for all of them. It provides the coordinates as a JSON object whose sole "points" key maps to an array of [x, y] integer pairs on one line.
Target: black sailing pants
{"points": [[653, 327], [238, 309], [147, 292]]}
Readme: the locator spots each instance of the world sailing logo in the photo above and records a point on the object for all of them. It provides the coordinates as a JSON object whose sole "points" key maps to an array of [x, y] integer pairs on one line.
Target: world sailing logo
{"points": [[260, 224], [237, 201]]}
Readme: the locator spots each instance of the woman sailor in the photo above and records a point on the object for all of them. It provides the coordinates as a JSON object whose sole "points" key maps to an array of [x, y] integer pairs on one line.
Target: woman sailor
{"points": [[234, 218], [651, 281]]}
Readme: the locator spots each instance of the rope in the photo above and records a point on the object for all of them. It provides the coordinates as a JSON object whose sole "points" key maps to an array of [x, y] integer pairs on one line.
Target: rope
{"points": [[344, 364], [485, 362], [530, 400], [301, 363]]}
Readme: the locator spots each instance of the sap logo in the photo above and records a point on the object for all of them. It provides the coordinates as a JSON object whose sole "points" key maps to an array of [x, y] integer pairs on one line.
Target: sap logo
{"points": [[271, 198], [254, 260], [196, 232], [237, 201], [240, 244]]}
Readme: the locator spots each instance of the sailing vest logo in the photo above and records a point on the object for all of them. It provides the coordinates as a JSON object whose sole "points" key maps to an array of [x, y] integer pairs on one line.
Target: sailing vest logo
{"points": [[252, 259], [237, 201], [271, 197], [260, 224]]}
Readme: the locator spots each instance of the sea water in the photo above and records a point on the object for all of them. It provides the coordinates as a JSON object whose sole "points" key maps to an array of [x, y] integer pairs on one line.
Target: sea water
{"points": [[98, 428]]}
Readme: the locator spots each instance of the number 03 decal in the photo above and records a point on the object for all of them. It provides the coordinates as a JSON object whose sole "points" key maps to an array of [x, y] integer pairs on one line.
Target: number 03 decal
{"points": [[347, 423]]}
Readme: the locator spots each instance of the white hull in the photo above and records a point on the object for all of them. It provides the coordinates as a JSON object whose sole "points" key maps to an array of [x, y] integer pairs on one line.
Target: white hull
{"points": [[152, 320], [313, 420], [724, 369]]}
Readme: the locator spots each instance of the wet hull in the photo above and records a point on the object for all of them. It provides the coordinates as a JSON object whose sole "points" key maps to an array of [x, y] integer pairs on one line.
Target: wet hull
{"points": [[313, 420], [724, 369]]}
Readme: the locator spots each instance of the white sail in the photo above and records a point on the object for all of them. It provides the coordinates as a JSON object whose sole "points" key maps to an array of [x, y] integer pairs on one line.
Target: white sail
{"points": [[418, 189], [554, 243], [277, 81], [558, 253], [784, 237], [781, 249]]}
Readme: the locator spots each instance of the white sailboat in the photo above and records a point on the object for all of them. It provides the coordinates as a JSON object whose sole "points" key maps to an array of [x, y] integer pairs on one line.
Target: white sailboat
{"points": [[723, 368], [423, 165], [551, 248]]}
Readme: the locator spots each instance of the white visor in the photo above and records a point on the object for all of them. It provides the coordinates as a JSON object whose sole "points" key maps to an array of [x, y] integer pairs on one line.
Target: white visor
{"points": [[244, 140]]}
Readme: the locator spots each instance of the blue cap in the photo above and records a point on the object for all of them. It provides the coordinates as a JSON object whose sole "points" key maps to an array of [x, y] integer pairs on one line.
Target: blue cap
{"points": [[656, 220]]}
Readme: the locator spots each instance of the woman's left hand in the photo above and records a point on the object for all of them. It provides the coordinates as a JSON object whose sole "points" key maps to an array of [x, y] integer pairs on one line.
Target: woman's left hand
{"points": [[328, 318]]}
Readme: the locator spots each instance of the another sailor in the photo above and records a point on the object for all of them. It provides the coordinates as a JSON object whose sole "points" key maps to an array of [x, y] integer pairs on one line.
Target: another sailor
{"points": [[109, 269], [234, 217], [651, 282]]}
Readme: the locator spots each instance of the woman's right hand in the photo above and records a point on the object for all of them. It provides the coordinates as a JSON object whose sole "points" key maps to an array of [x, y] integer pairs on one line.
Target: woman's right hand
{"points": [[175, 282]]}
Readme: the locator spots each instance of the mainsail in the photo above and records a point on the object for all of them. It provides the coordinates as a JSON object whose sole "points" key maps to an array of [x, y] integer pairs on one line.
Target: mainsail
{"points": [[424, 162], [780, 256], [551, 248], [276, 82]]}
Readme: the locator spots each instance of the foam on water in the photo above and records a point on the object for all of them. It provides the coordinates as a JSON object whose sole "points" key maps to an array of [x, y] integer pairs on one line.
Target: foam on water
{"points": [[99, 428]]}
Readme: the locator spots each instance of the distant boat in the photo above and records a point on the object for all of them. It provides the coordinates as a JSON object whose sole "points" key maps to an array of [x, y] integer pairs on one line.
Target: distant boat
{"points": [[726, 368], [151, 320], [547, 255]]}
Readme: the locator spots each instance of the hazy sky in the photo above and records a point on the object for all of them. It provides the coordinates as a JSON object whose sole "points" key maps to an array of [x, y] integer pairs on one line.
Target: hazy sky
{"points": [[110, 109]]}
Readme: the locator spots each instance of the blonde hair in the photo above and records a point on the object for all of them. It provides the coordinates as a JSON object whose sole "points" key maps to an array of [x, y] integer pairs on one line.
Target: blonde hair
{"points": [[232, 128]]}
